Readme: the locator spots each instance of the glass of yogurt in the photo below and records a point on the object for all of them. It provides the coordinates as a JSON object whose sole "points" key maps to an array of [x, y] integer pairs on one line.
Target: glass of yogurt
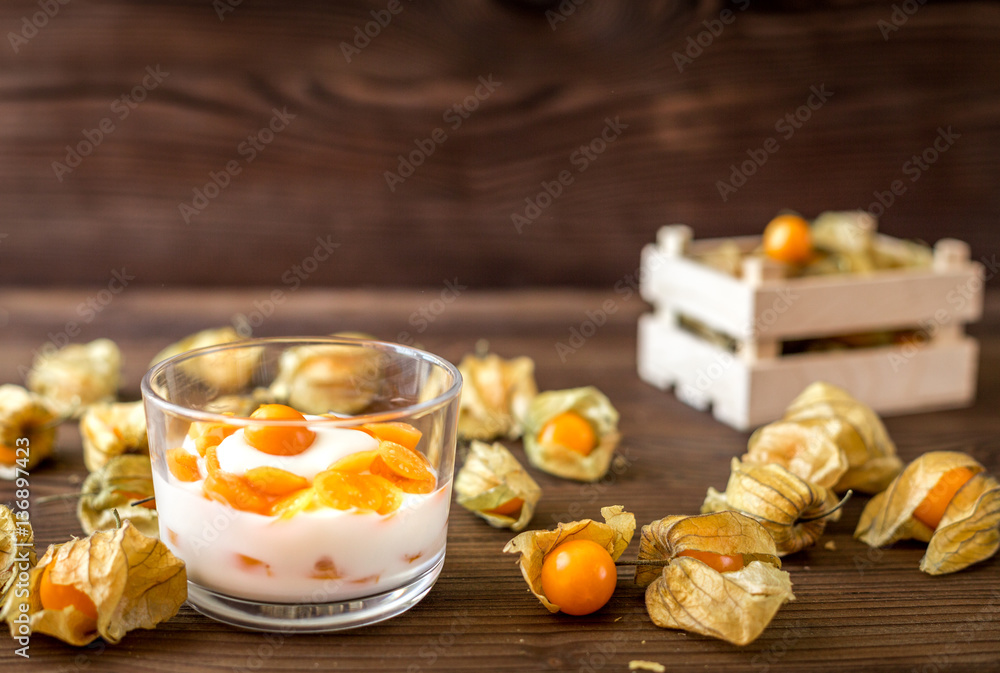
{"points": [[305, 482]]}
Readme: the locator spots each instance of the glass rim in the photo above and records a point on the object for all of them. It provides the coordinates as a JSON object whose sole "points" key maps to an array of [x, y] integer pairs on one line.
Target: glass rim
{"points": [[440, 400]]}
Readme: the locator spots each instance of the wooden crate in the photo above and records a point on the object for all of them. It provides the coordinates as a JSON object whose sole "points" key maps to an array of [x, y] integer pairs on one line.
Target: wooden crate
{"points": [[752, 384]]}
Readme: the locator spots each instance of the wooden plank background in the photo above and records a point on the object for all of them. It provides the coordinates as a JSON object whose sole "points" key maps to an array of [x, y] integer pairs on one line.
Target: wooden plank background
{"points": [[323, 176]]}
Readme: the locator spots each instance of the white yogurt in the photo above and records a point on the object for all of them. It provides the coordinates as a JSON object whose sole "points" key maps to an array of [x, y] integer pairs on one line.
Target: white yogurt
{"points": [[331, 444], [318, 556]]}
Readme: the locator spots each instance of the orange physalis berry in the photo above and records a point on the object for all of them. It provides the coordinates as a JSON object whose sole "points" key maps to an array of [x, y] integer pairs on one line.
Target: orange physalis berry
{"points": [[579, 576], [787, 239], [300, 501], [426, 485], [183, 465], [346, 490], [209, 434], [7, 455], [931, 509], [278, 440], [275, 481], [404, 462], [510, 508], [400, 433], [62, 596], [235, 491], [571, 430], [392, 495], [356, 462], [212, 460], [719, 562]]}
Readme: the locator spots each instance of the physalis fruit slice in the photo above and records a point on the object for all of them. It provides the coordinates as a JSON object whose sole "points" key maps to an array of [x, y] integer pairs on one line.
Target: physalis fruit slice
{"points": [[398, 432]]}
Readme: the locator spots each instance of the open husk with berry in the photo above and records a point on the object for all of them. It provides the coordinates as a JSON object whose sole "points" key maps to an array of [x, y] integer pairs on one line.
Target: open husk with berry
{"points": [[614, 535], [714, 574], [493, 485], [571, 433], [790, 509], [27, 430], [103, 586], [943, 498]]}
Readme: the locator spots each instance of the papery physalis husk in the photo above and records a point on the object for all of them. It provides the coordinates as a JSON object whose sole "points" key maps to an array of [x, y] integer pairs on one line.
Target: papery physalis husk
{"points": [[133, 580], [240, 405], [596, 409], [77, 375], [688, 594], [830, 439], [849, 242], [848, 238], [495, 396], [17, 549], [727, 257], [533, 545], [123, 480], [968, 532], [493, 484], [333, 378], [857, 429], [225, 371], [804, 448], [777, 499], [27, 430], [110, 429]]}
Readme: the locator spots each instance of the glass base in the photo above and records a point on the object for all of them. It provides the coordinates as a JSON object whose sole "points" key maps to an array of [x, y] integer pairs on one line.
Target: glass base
{"points": [[312, 617]]}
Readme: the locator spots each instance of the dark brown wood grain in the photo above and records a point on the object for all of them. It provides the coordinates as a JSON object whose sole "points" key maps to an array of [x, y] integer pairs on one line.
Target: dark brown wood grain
{"points": [[324, 175], [855, 609]]}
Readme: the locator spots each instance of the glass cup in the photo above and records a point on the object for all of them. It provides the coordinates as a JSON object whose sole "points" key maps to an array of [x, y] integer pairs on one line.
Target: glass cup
{"points": [[275, 536]]}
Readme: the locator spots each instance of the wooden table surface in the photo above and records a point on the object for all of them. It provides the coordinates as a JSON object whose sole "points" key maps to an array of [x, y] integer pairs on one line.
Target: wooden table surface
{"points": [[872, 611]]}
